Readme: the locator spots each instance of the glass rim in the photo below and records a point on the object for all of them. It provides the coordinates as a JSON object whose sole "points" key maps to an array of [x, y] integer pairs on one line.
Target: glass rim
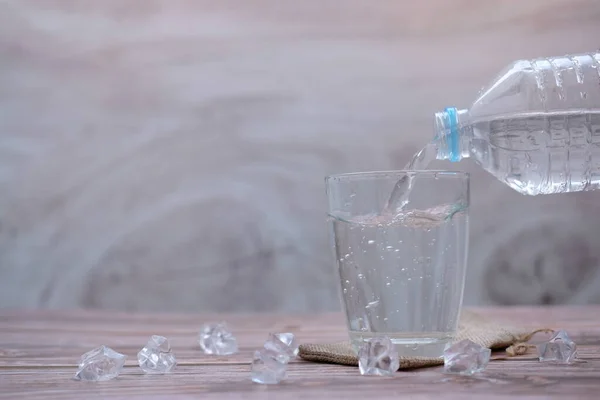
{"points": [[396, 173]]}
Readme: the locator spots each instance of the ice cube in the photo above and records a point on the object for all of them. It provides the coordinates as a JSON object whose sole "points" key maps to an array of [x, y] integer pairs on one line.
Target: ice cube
{"points": [[100, 364], [378, 356], [217, 339], [559, 349], [465, 358], [267, 367], [156, 357], [284, 344]]}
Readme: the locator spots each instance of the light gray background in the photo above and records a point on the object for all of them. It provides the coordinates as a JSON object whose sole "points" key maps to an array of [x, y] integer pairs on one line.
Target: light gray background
{"points": [[170, 155]]}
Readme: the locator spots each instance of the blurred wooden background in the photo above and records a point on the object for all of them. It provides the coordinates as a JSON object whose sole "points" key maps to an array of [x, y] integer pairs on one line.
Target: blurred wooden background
{"points": [[169, 155]]}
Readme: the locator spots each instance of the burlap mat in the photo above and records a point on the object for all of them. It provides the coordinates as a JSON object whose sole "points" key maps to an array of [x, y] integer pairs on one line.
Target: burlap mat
{"points": [[472, 326]]}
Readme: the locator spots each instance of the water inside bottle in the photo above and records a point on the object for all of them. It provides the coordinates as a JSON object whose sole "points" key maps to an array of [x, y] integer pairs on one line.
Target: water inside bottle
{"points": [[540, 153], [532, 153]]}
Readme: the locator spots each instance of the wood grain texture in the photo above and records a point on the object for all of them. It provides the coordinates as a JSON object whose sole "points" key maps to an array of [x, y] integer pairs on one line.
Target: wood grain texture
{"points": [[169, 155], [39, 351]]}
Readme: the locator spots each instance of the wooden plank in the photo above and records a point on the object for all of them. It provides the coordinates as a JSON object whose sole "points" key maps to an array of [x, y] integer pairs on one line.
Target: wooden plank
{"points": [[312, 380], [39, 351]]}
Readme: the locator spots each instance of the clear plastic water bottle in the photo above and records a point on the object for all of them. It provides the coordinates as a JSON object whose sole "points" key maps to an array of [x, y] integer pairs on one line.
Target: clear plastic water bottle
{"points": [[536, 127]]}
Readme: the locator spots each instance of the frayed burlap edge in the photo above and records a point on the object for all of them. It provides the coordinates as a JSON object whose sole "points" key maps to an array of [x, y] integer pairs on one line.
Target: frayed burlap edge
{"points": [[472, 326]]}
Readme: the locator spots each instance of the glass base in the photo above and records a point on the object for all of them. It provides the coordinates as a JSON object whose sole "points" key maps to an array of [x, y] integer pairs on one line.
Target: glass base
{"points": [[421, 344]]}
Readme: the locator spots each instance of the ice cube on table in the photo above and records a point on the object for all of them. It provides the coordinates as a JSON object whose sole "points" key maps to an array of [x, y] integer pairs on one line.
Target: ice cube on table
{"points": [[465, 358], [267, 367], [156, 357], [217, 339], [559, 349], [284, 344], [378, 356], [100, 364]]}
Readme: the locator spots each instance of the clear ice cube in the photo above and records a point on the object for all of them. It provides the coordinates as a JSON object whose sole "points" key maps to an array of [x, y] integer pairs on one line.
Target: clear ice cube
{"points": [[559, 349], [100, 364], [156, 357], [267, 367], [217, 339], [284, 344], [378, 356], [465, 358]]}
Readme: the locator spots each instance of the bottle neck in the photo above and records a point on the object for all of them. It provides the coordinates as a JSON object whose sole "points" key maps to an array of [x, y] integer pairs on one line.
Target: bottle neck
{"points": [[450, 134]]}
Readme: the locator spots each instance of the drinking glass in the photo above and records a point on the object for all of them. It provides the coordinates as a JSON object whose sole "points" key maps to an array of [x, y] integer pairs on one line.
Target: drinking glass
{"points": [[401, 273]]}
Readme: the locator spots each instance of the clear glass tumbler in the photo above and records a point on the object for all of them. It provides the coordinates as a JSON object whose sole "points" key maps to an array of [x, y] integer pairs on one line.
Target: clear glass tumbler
{"points": [[401, 275]]}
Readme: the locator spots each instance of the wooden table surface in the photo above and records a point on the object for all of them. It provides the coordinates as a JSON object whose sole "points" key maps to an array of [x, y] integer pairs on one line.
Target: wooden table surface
{"points": [[39, 351]]}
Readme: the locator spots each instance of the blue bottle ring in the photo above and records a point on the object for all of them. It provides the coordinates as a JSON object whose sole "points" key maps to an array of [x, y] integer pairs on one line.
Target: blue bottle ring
{"points": [[452, 138]]}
